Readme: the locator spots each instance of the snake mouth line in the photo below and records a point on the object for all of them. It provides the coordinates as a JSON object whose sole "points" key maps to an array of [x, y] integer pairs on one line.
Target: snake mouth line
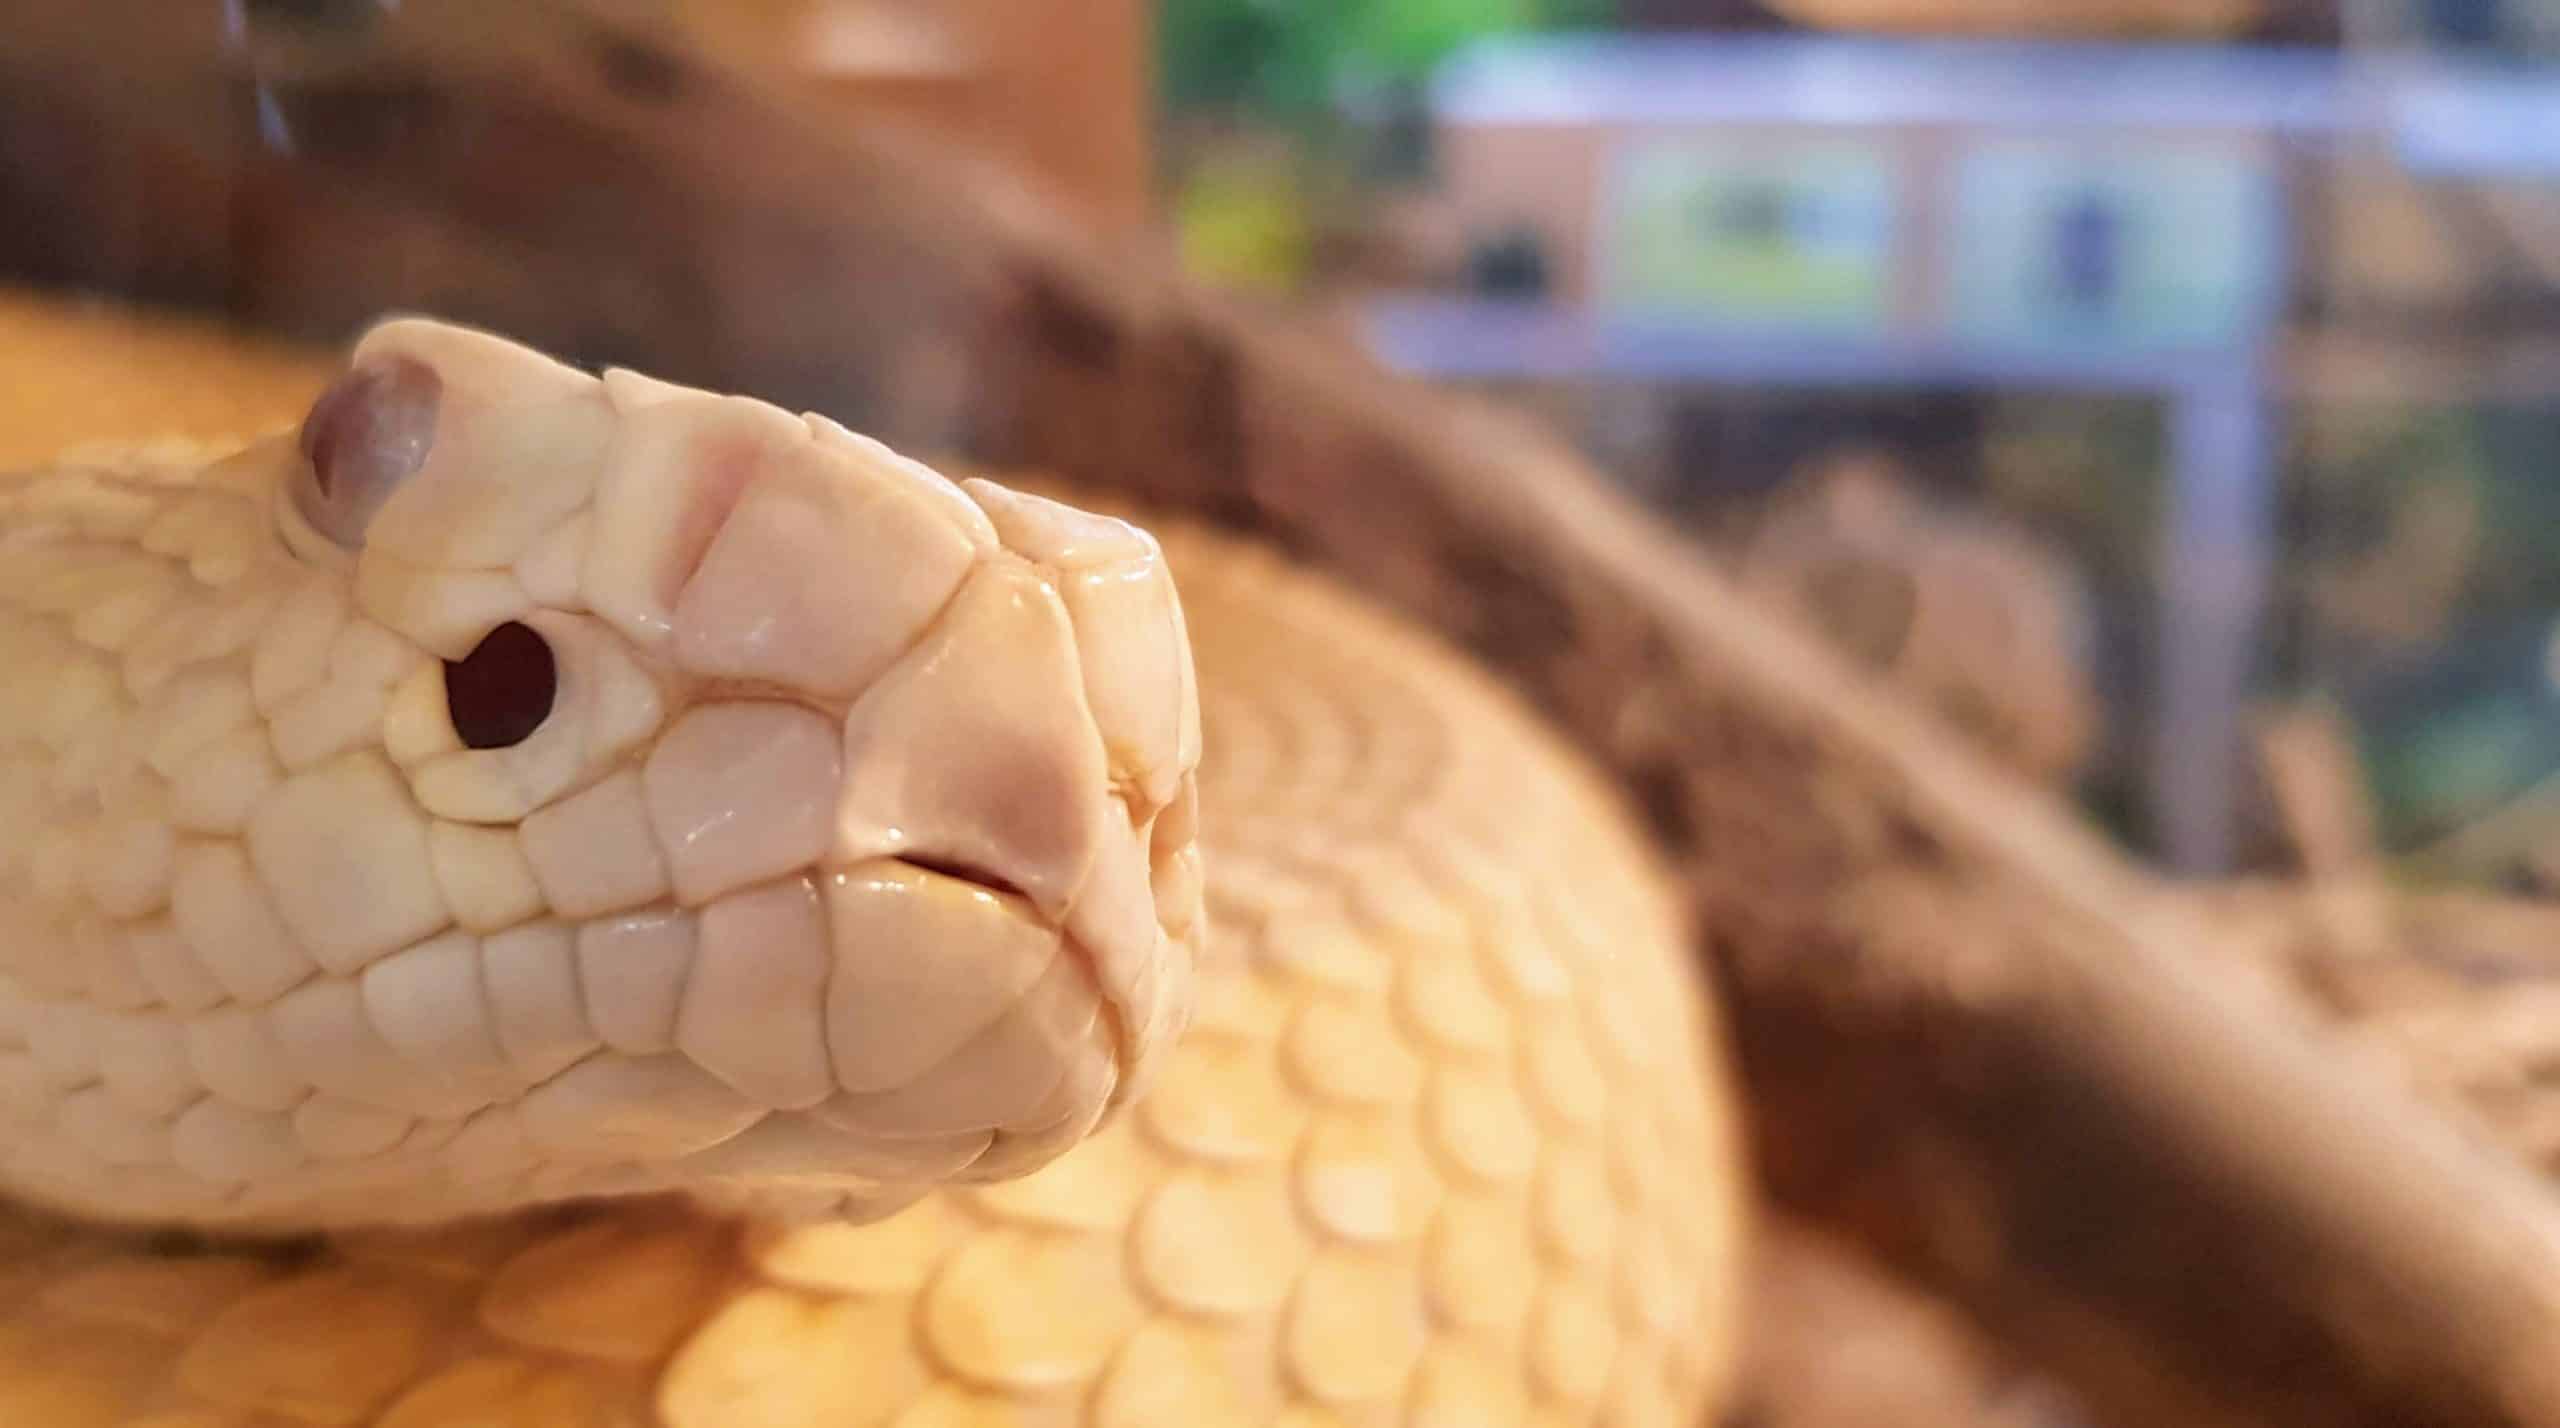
{"points": [[1118, 1020], [961, 870], [1115, 1017]]}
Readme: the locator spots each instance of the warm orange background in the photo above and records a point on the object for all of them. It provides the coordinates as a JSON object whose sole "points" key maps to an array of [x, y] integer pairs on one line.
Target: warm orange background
{"points": [[75, 371], [1060, 88]]}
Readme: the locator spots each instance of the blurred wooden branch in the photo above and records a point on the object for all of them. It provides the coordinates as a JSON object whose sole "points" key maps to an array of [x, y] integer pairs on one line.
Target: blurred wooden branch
{"points": [[1981, 1044]]}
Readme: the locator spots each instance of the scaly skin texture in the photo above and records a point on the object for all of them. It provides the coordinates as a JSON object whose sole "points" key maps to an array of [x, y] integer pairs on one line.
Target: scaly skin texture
{"points": [[1447, 1141], [844, 848]]}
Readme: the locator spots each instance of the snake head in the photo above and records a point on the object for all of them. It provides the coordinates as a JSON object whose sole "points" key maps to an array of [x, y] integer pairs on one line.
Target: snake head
{"points": [[800, 822]]}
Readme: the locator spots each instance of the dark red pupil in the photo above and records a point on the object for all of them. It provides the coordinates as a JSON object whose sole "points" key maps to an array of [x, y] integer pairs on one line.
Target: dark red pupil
{"points": [[502, 691]]}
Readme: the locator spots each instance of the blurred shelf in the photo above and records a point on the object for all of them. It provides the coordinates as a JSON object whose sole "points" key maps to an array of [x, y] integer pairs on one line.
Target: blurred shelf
{"points": [[1489, 340], [2437, 113], [2472, 119], [1646, 81]]}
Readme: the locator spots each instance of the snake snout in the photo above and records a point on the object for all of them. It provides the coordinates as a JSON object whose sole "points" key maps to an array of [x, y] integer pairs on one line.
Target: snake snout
{"points": [[917, 686]]}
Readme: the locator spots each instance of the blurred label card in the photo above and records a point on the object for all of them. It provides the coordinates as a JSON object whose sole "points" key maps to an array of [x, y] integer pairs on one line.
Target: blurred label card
{"points": [[2118, 243], [1790, 234]]}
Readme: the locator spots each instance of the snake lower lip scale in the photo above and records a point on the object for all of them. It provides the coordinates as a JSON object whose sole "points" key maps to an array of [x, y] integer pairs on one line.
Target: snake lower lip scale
{"points": [[712, 924]]}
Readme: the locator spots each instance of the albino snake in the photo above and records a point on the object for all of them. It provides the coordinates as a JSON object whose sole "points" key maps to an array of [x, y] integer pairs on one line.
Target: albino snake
{"points": [[581, 901]]}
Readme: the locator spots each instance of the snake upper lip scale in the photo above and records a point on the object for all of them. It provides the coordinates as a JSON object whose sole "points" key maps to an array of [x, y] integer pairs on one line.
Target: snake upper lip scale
{"points": [[521, 784]]}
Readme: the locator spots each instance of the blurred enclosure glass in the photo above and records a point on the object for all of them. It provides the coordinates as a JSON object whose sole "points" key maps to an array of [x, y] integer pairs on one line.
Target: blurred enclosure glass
{"points": [[2140, 388]]}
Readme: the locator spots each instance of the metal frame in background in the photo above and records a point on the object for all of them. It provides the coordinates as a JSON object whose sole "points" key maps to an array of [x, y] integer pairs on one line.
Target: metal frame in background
{"points": [[2217, 544]]}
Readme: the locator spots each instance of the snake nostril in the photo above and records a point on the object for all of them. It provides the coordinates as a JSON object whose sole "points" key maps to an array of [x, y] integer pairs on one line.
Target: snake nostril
{"points": [[501, 692]]}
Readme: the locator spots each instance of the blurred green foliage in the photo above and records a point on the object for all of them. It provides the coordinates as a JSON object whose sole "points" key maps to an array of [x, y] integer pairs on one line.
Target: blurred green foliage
{"points": [[1244, 221], [1292, 61], [2420, 588], [1283, 115]]}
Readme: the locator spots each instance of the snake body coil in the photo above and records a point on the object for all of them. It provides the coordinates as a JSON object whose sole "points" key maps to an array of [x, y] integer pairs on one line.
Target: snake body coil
{"points": [[695, 919]]}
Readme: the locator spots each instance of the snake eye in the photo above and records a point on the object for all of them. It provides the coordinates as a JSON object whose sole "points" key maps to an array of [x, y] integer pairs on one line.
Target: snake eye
{"points": [[362, 437], [502, 691]]}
